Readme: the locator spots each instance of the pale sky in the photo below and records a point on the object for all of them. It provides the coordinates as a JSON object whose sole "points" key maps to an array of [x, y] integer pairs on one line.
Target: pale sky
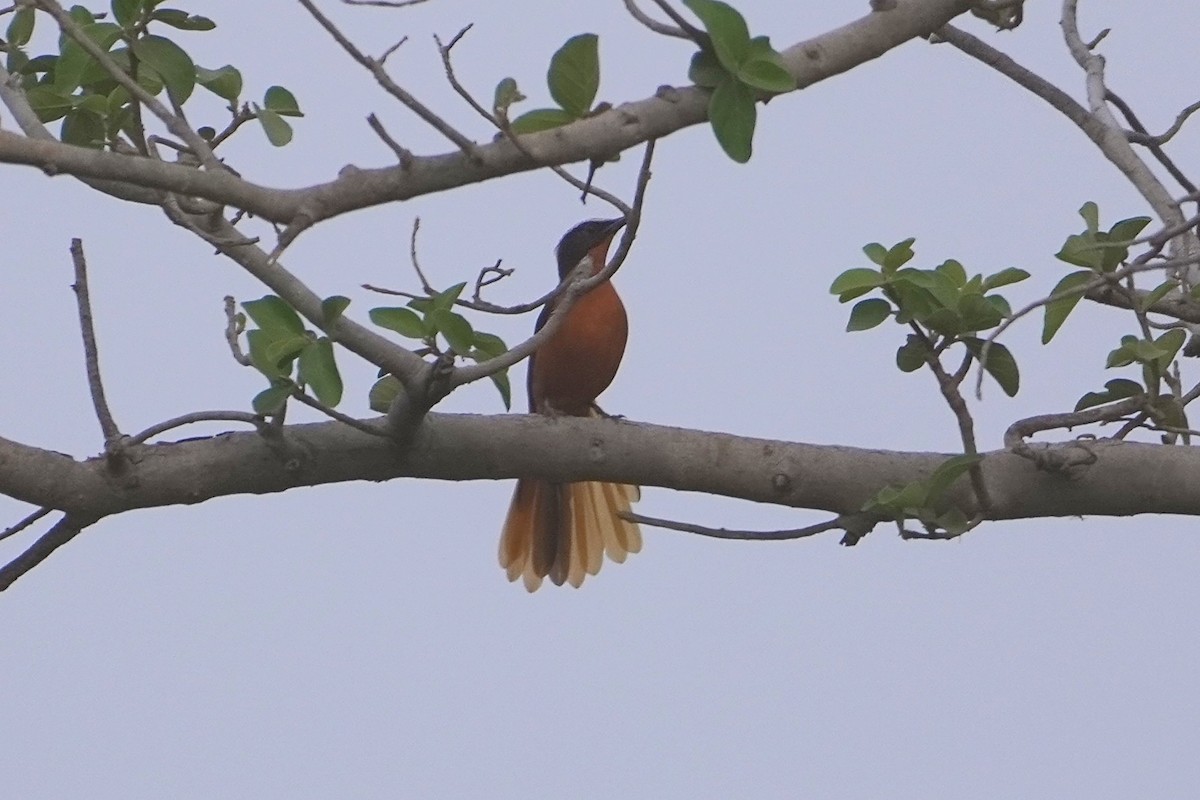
{"points": [[360, 640]]}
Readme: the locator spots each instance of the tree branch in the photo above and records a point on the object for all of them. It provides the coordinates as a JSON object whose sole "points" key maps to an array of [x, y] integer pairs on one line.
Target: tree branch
{"points": [[112, 433]]}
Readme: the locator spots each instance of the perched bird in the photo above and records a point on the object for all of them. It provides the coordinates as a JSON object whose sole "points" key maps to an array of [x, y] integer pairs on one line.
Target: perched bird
{"points": [[563, 530]]}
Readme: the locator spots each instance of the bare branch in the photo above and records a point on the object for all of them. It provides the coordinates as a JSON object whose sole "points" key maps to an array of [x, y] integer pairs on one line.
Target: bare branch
{"points": [[194, 417], [384, 3], [17, 527], [403, 154], [62, 532], [1139, 135], [334, 414], [658, 27], [382, 77], [112, 433], [726, 533]]}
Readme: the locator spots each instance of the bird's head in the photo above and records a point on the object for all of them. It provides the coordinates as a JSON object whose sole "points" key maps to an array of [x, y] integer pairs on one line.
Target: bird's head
{"points": [[587, 239]]}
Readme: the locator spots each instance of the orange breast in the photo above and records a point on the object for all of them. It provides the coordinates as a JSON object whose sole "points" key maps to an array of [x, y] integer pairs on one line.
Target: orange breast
{"points": [[570, 370]]}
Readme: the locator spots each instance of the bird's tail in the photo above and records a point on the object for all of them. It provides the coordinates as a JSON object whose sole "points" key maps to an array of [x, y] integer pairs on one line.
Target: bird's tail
{"points": [[563, 530]]}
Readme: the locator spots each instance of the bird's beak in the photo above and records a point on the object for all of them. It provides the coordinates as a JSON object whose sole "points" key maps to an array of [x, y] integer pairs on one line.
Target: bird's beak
{"points": [[615, 225]]}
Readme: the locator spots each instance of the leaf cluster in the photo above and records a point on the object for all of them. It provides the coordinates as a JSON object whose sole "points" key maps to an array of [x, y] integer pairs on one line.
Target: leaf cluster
{"points": [[69, 84], [921, 500], [737, 68], [573, 79], [943, 307], [442, 332], [290, 356]]}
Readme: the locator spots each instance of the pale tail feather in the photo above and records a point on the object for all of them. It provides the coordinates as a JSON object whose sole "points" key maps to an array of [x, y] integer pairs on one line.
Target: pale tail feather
{"points": [[589, 509]]}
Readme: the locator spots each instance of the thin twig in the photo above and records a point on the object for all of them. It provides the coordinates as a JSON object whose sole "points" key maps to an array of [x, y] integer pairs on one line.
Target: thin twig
{"points": [[653, 24], [235, 324], [197, 416], [112, 433], [333, 413], [59, 534], [390, 86], [726, 533], [403, 154], [384, 3], [416, 264], [1141, 136], [17, 527]]}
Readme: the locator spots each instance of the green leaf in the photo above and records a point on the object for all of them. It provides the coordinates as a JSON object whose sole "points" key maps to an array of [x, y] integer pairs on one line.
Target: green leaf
{"points": [[20, 28], [277, 129], [489, 345], [171, 62], [183, 20], [977, 313], [332, 308], [224, 82], [271, 401], [48, 104], [948, 472], [318, 370], [945, 322], [1000, 304], [401, 320], [272, 314], [1128, 229], [506, 94], [876, 252], [574, 74], [705, 70], [258, 342], [854, 282], [1158, 293], [1000, 364], [954, 271], [1091, 216], [83, 129], [1115, 389], [126, 11], [937, 283], [766, 74], [727, 29], [1004, 277], [540, 119], [455, 328], [1057, 311], [733, 115], [898, 255], [1169, 343], [81, 15], [282, 102], [383, 392], [866, 314], [1081, 251], [910, 356], [500, 380], [1124, 355], [445, 299], [914, 302], [282, 350]]}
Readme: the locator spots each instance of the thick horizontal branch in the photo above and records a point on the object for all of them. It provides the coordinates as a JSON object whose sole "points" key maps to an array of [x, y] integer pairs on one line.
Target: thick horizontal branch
{"points": [[1109, 478], [625, 126]]}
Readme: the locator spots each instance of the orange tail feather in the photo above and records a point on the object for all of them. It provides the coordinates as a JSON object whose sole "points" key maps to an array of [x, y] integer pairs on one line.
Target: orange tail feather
{"points": [[563, 530]]}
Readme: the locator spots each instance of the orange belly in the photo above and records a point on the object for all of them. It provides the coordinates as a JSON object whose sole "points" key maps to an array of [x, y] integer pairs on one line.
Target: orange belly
{"points": [[580, 360]]}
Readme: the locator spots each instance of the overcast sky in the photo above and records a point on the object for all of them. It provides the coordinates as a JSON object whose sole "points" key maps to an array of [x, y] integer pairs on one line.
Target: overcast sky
{"points": [[360, 640]]}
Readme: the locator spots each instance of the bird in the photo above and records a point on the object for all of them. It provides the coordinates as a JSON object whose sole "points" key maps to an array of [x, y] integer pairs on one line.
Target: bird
{"points": [[564, 530]]}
